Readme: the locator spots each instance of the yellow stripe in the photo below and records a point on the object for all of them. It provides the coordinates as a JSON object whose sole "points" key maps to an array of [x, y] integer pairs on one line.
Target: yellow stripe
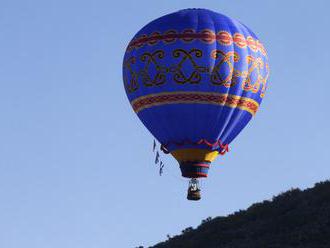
{"points": [[194, 154], [240, 102]]}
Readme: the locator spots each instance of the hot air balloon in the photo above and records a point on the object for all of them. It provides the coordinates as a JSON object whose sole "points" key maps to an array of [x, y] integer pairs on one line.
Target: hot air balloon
{"points": [[195, 78]]}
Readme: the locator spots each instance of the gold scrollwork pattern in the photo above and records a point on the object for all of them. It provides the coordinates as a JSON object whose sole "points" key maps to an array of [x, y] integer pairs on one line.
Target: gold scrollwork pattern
{"points": [[131, 84], [189, 56], [225, 59], [150, 59], [255, 64], [264, 81], [153, 72]]}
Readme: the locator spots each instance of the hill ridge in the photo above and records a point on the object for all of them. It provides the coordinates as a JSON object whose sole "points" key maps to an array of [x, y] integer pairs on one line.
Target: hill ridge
{"points": [[295, 218]]}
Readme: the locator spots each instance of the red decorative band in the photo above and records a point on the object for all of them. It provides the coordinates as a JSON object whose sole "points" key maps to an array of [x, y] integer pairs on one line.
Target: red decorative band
{"points": [[194, 174], [201, 165], [222, 148], [206, 35], [164, 98]]}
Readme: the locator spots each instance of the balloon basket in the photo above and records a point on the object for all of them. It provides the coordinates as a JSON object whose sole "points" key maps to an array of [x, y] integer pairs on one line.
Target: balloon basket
{"points": [[194, 192]]}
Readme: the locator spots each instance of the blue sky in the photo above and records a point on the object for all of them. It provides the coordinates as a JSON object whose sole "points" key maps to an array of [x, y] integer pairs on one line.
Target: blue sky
{"points": [[76, 166]]}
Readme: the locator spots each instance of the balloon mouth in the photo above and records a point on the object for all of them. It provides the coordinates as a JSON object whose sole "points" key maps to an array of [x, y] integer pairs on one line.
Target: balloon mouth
{"points": [[194, 162], [194, 169], [194, 154]]}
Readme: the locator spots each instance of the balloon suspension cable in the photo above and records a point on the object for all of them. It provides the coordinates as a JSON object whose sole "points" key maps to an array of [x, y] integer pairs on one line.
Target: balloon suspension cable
{"points": [[158, 161]]}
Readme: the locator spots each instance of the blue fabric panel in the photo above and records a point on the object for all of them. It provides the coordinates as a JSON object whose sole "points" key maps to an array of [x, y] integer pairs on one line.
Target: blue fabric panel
{"points": [[188, 63]]}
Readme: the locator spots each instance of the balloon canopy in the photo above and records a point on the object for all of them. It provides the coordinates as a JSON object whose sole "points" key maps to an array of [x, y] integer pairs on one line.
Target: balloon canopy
{"points": [[195, 78]]}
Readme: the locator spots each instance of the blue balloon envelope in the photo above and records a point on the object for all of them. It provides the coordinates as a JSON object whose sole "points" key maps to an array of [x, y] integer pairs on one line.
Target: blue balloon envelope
{"points": [[195, 78]]}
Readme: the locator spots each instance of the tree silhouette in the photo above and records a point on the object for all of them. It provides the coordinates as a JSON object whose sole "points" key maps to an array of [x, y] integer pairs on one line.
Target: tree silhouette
{"points": [[292, 219]]}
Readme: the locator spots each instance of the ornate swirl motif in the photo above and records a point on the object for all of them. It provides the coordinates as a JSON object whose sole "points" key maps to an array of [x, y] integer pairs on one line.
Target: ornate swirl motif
{"points": [[208, 36], [228, 100], [179, 75], [151, 59], [224, 38], [254, 64], [152, 72], [239, 40], [188, 35], [264, 81], [131, 84], [226, 60], [170, 36], [153, 38]]}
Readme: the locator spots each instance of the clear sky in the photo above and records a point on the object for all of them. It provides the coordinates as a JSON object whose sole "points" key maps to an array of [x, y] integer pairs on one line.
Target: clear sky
{"points": [[76, 165]]}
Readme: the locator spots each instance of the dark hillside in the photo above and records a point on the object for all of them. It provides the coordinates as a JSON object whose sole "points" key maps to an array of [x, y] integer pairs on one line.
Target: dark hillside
{"points": [[292, 219]]}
